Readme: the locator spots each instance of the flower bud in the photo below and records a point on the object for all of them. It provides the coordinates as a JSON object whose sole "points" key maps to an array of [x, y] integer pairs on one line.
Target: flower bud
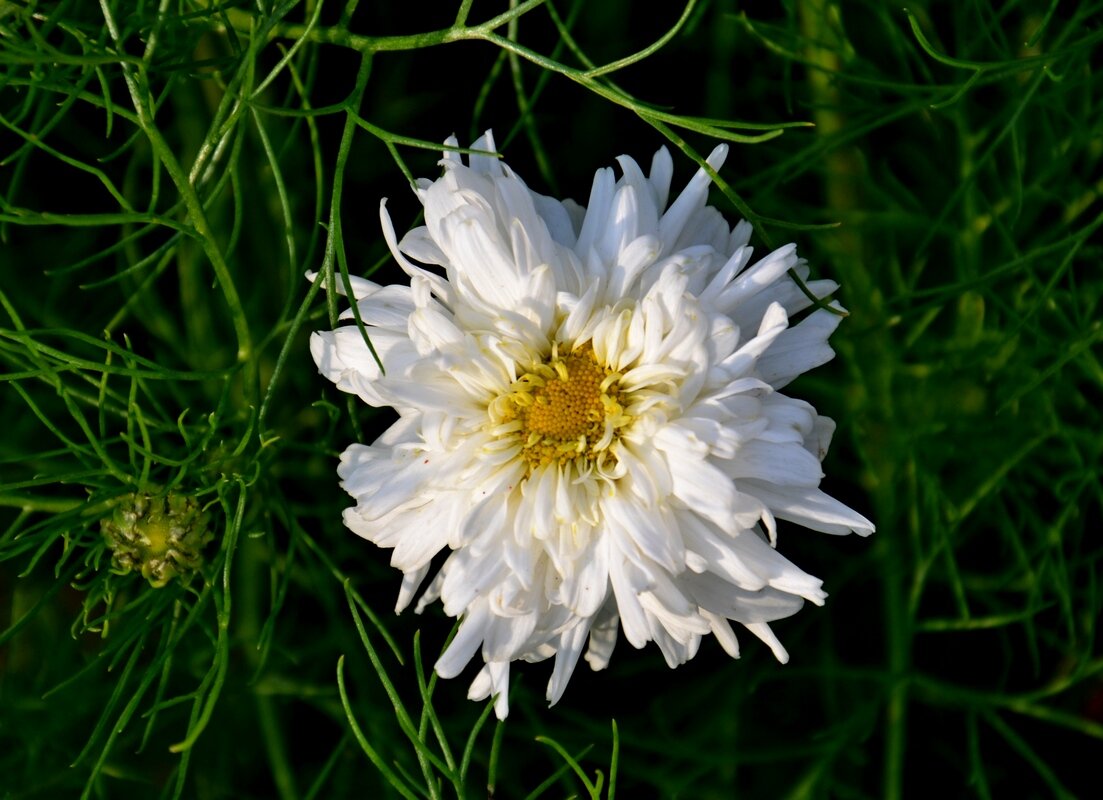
{"points": [[161, 536]]}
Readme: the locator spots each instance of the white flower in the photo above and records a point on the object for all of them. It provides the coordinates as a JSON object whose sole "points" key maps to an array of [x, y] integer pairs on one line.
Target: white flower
{"points": [[589, 419]]}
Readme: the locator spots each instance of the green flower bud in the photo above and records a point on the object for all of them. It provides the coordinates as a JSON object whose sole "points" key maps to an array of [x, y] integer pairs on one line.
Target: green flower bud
{"points": [[161, 536]]}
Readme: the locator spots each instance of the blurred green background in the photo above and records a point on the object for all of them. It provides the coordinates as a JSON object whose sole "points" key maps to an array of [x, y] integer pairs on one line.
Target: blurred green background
{"points": [[170, 170]]}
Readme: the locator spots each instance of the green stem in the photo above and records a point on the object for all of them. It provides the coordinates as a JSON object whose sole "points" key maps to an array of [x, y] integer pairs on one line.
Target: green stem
{"points": [[50, 505], [242, 22], [137, 87]]}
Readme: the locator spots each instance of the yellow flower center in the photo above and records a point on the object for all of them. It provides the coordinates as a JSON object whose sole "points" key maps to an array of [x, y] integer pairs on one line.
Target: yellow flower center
{"points": [[568, 408]]}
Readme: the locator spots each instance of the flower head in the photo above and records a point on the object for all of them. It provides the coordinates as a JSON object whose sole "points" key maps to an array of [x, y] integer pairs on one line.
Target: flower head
{"points": [[159, 535], [590, 420]]}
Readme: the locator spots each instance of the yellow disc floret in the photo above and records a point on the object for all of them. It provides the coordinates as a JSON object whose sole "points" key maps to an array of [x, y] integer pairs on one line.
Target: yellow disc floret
{"points": [[567, 408]]}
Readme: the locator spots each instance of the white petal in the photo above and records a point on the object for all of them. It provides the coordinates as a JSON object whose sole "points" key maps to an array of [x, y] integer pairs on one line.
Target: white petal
{"points": [[723, 633], [441, 288], [634, 257], [570, 647], [410, 583], [585, 591], [763, 632], [799, 349], [505, 636], [419, 245], [761, 275], [662, 171], [649, 203], [773, 323], [603, 636], [740, 235], [627, 582], [648, 532], [597, 211], [431, 330], [781, 463], [557, 218], [470, 574], [343, 354], [466, 642], [699, 484], [493, 679], [487, 164], [692, 198], [812, 508], [361, 287]]}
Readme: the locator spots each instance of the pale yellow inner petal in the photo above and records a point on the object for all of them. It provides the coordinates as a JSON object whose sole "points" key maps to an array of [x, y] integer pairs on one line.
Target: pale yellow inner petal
{"points": [[565, 409]]}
